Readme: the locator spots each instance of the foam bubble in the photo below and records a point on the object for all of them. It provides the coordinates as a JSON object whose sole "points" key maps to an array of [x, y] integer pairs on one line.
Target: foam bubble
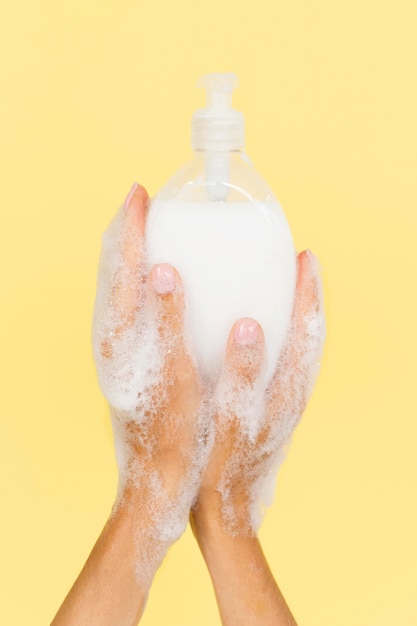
{"points": [[138, 375], [297, 382], [266, 420], [239, 399]]}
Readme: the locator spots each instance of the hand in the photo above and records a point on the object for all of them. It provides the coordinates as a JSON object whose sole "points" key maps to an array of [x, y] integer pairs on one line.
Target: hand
{"points": [[150, 381], [152, 385], [253, 428]]}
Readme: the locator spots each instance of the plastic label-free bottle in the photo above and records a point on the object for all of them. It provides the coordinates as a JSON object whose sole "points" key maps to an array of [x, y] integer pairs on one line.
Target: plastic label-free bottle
{"points": [[217, 222]]}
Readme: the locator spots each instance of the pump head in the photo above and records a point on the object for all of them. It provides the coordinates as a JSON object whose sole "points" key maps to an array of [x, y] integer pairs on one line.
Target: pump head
{"points": [[218, 127]]}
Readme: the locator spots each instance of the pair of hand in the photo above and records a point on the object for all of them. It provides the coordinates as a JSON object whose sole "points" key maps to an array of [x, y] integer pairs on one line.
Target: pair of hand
{"points": [[183, 448], [199, 451]]}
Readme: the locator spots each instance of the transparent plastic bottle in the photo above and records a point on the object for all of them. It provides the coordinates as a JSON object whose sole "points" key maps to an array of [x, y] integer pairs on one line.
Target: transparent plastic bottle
{"points": [[217, 222]]}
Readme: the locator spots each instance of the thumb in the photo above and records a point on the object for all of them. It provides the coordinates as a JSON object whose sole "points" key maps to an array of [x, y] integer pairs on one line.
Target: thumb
{"points": [[167, 297], [239, 391], [245, 350]]}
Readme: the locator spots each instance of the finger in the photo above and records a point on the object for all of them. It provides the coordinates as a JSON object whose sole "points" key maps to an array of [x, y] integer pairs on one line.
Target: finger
{"points": [[238, 394], [166, 298], [118, 293], [307, 314], [308, 287], [134, 225], [168, 302], [245, 350], [126, 288], [293, 379]]}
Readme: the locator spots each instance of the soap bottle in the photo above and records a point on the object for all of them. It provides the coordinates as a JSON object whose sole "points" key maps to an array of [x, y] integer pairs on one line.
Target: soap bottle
{"points": [[217, 222]]}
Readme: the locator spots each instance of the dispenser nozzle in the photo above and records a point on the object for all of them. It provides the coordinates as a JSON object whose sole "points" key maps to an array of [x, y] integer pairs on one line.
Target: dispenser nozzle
{"points": [[219, 89], [218, 127]]}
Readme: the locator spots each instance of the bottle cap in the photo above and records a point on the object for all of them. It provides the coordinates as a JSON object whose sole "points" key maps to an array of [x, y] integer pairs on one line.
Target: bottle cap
{"points": [[218, 127]]}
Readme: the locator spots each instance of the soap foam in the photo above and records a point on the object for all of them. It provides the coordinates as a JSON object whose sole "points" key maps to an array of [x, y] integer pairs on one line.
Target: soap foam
{"points": [[134, 360], [298, 369], [267, 420], [127, 351], [237, 398], [131, 354]]}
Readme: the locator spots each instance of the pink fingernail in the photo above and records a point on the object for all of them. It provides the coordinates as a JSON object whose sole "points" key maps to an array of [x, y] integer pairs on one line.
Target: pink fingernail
{"points": [[311, 257], [247, 332], [130, 195], [163, 278]]}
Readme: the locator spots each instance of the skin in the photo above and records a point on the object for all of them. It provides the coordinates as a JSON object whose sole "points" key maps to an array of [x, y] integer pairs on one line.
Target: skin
{"points": [[114, 584], [245, 589], [112, 588]]}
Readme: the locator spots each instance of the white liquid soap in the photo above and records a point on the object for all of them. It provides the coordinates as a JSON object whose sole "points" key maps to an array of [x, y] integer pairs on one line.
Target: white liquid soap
{"points": [[218, 224]]}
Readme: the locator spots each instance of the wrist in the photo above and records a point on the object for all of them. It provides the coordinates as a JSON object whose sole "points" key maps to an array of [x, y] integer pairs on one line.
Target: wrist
{"points": [[216, 516], [149, 523]]}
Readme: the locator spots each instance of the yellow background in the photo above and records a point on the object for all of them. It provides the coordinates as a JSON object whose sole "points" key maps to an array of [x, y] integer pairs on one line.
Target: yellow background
{"points": [[97, 94]]}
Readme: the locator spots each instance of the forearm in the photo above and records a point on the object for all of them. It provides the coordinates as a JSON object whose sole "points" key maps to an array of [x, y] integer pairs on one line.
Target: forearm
{"points": [[112, 588], [245, 588]]}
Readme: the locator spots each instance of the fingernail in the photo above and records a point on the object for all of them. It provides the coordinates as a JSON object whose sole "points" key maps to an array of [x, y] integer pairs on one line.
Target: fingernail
{"points": [[130, 195], [314, 263], [247, 332], [311, 257], [163, 278]]}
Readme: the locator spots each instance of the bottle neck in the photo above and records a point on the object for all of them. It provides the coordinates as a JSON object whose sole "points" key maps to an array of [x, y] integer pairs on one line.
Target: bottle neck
{"points": [[216, 166]]}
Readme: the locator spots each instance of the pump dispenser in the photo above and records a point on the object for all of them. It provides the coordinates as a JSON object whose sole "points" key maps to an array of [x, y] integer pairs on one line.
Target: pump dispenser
{"points": [[217, 131], [217, 222]]}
